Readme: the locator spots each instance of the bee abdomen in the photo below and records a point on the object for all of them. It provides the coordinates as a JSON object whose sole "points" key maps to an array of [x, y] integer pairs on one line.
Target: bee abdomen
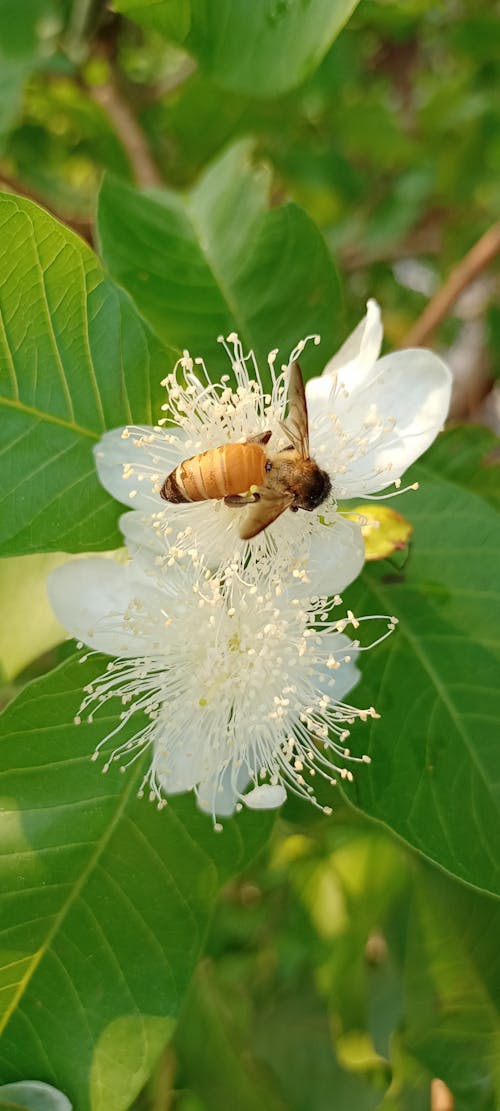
{"points": [[225, 470]]}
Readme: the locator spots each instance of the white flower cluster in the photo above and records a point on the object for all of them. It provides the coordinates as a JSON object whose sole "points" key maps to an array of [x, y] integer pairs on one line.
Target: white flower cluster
{"points": [[229, 663]]}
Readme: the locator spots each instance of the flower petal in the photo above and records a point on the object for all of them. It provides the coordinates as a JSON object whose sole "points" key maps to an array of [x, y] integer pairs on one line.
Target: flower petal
{"points": [[145, 543], [90, 597], [132, 462], [398, 413], [337, 682], [354, 361], [346, 678], [177, 770], [207, 527], [336, 558], [319, 392], [220, 795], [265, 797]]}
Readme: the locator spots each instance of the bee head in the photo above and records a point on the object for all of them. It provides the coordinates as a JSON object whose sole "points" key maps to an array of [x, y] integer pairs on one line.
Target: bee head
{"points": [[314, 490]]}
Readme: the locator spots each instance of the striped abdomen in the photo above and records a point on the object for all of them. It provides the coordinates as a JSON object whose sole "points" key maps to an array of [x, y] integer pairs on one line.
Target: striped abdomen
{"points": [[230, 469]]}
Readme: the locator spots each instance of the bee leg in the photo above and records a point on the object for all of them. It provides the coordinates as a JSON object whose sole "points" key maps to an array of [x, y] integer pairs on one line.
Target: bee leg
{"points": [[259, 438], [241, 499]]}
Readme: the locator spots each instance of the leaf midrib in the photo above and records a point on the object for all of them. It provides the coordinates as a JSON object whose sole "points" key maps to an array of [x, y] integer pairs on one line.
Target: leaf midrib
{"points": [[49, 418], [101, 845], [225, 288]]}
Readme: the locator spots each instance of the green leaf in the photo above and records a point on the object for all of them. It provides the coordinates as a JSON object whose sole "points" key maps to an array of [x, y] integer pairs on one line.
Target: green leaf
{"points": [[75, 359], [172, 19], [470, 461], [218, 261], [452, 980], [32, 1095], [435, 770], [264, 48], [23, 43], [105, 899]]}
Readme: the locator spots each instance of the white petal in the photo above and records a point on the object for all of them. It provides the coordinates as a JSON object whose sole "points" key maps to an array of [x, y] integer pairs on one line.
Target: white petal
{"points": [[346, 678], [337, 556], [220, 794], [357, 356], [145, 544], [265, 797], [129, 465], [337, 682], [409, 397], [179, 770], [318, 394], [34, 1093], [90, 598], [210, 527]]}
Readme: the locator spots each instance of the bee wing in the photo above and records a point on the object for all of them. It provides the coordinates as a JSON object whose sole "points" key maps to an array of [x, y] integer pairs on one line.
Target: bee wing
{"points": [[297, 425], [263, 512]]}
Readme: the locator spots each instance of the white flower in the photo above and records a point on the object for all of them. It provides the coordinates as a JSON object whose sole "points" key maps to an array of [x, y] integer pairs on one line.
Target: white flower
{"points": [[369, 419], [240, 686]]}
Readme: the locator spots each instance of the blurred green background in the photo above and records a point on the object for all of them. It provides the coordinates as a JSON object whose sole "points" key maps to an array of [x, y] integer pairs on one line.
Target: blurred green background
{"points": [[392, 145]]}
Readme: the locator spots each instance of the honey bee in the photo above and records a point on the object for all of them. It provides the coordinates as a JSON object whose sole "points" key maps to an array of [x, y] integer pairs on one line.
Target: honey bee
{"points": [[247, 476]]}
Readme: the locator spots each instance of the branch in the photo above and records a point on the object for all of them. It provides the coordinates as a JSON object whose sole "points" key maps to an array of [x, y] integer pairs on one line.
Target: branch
{"points": [[81, 224], [480, 255], [134, 142]]}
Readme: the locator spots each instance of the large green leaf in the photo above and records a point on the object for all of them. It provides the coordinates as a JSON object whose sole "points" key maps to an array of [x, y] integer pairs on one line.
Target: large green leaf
{"points": [[452, 979], [218, 261], [435, 770], [105, 901], [262, 48], [75, 359]]}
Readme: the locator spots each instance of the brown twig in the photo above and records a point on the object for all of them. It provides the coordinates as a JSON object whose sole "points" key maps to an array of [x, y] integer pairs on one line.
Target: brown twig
{"points": [[480, 255], [81, 224], [111, 99]]}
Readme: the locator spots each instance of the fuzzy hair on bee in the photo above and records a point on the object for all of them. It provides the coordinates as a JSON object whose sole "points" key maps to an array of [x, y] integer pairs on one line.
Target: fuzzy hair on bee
{"points": [[249, 477]]}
